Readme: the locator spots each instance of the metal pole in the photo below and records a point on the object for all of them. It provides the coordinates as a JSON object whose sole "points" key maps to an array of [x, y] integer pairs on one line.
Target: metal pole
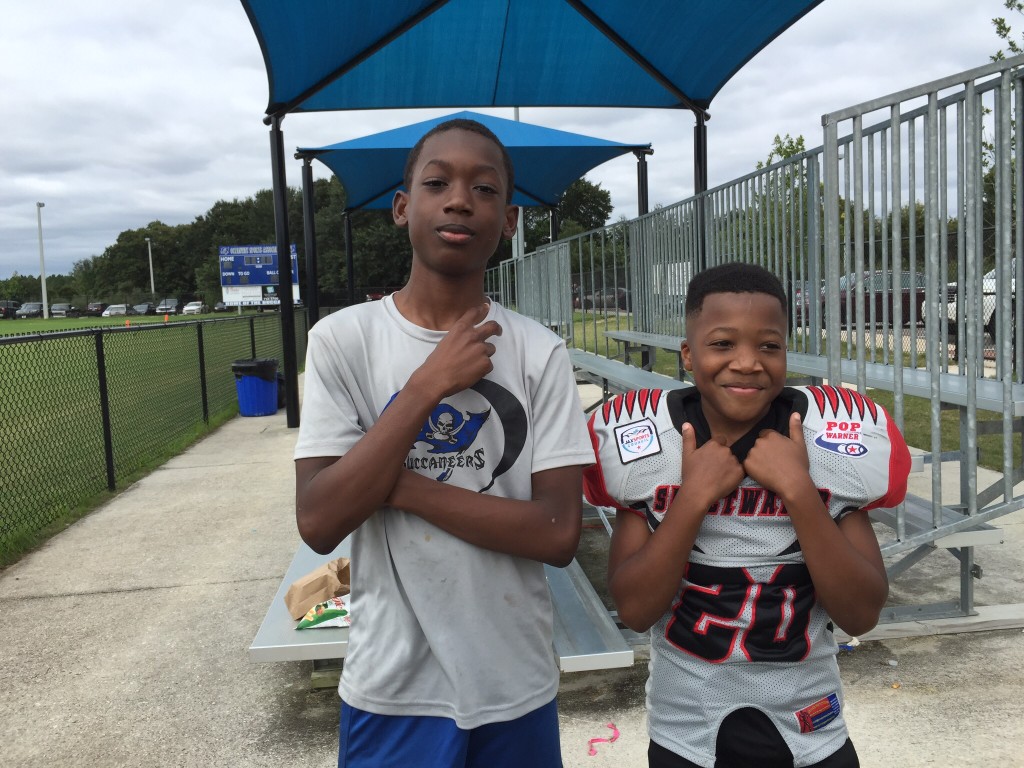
{"points": [[519, 239], [309, 233], [152, 286], [700, 155], [350, 265], [643, 204], [42, 261], [700, 184], [284, 260]]}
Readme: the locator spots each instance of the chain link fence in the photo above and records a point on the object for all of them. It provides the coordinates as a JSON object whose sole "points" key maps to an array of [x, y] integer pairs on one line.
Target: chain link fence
{"points": [[84, 412]]}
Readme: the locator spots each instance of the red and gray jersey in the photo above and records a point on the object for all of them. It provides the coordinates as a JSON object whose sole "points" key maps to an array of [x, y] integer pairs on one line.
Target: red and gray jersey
{"points": [[745, 629]]}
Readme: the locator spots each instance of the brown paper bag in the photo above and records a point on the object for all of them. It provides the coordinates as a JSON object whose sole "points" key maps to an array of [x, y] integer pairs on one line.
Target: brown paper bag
{"points": [[329, 580]]}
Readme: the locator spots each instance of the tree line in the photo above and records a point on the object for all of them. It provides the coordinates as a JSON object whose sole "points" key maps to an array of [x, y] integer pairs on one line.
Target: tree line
{"points": [[185, 256]]}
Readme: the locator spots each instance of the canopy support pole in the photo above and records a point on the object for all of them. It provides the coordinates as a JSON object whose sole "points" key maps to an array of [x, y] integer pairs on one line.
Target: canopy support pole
{"points": [[700, 183], [700, 154], [350, 263], [284, 285], [642, 198], [309, 233]]}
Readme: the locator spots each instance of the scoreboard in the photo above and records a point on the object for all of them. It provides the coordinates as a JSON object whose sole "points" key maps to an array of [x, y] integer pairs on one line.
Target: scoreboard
{"points": [[250, 276]]}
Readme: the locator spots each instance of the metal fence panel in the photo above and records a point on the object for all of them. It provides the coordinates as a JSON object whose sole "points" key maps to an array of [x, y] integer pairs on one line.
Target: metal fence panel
{"points": [[81, 412]]}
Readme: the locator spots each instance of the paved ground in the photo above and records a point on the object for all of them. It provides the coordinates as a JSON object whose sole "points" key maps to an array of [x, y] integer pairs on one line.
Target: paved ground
{"points": [[123, 640]]}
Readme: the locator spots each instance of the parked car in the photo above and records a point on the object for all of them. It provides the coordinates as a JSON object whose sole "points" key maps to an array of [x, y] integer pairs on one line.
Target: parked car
{"points": [[8, 308], [29, 309], [195, 308], [94, 309], [802, 294], [115, 310], [879, 296], [614, 298], [168, 306], [145, 308], [63, 309], [989, 303], [220, 306]]}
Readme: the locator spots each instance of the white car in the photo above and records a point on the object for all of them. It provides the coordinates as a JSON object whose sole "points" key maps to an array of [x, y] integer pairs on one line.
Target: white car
{"points": [[195, 308], [988, 299], [117, 309]]}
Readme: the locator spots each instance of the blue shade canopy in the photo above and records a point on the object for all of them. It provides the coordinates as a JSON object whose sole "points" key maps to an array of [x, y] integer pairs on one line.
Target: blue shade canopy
{"points": [[546, 161], [382, 54]]}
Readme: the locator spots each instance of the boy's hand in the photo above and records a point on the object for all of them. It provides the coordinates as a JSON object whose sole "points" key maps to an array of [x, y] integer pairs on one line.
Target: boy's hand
{"points": [[464, 355], [709, 472], [778, 463]]}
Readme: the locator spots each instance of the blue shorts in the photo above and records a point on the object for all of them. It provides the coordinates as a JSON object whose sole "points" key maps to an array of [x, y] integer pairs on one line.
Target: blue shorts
{"points": [[366, 740]]}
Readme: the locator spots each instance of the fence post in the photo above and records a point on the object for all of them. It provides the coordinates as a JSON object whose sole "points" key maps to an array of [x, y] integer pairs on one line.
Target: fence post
{"points": [[202, 372], [252, 337], [108, 437]]}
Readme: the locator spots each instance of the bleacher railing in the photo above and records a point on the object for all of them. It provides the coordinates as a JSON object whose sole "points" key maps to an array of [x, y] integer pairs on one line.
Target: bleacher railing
{"points": [[902, 232]]}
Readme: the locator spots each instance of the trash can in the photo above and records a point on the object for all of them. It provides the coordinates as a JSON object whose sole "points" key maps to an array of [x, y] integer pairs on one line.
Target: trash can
{"points": [[256, 383]]}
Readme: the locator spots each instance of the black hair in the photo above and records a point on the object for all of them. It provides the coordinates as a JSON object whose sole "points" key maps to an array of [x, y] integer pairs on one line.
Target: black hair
{"points": [[460, 124], [733, 277]]}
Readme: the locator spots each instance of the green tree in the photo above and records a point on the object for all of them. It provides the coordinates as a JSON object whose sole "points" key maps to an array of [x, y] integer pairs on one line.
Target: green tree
{"points": [[1004, 31], [583, 206], [21, 288], [782, 149]]}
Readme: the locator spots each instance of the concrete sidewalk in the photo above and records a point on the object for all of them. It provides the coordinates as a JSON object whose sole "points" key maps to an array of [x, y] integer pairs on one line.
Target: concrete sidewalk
{"points": [[124, 641]]}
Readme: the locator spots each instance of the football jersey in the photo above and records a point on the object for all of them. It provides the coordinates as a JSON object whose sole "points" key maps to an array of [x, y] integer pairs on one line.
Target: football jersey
{"points": [[745, 628]]}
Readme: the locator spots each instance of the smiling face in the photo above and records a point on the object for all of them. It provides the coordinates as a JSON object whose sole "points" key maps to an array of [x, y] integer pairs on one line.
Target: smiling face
{"points": [[455, 206], [735, 349]]}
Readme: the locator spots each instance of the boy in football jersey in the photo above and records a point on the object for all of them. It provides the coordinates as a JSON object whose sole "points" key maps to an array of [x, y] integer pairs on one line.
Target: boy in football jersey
{"points": [[742, 532], [444, 433]]}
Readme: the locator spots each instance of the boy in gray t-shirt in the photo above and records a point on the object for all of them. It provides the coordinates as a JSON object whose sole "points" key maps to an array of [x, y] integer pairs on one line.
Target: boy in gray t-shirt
{"points": [[445, 435]]}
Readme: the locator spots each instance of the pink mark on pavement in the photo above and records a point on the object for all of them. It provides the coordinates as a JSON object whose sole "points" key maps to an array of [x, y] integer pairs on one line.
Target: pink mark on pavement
{"points": [[615, 735]]}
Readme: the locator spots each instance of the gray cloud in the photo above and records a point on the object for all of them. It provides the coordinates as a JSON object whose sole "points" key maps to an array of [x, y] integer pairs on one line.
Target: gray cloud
{"points": [[119, 114]]}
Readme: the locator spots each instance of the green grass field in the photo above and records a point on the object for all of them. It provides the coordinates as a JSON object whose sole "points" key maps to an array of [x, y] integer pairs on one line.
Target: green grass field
{"points": [[41, 325], [53, 467]]}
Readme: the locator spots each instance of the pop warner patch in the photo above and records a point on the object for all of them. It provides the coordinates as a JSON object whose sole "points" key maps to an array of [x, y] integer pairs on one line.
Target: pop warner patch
{"points": [[842, 437], [637, 440]]}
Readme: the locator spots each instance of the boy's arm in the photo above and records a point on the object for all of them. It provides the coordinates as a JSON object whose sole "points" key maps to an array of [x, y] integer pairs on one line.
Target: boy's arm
{"points": [[545, 527], [645, 569], [844, 560], [334, 495]]}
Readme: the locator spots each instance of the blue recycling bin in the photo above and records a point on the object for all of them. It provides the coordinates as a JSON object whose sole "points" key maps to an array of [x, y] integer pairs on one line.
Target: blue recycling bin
{"points": [[256, 384]]}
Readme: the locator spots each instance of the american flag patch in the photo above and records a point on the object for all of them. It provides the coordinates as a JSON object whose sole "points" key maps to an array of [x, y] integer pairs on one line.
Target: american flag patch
{"points": [[819, 714]]}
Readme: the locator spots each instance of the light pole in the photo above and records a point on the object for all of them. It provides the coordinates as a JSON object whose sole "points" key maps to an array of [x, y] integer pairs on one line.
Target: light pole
{"points": [[42, 261], [152, 287]]}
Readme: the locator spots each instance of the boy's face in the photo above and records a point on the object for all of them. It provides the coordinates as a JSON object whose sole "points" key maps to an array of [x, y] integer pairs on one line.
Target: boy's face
{"points": [[735, 348], [455, 207]]}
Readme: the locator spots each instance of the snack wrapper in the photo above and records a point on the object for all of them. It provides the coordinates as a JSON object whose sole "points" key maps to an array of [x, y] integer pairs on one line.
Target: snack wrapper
{"points": [[329, 580], [333, 612]]}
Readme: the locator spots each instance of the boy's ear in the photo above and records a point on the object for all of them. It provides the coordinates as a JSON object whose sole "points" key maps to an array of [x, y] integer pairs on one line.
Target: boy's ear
{"points": [[511, 221], [398, 206], [684, 350]]}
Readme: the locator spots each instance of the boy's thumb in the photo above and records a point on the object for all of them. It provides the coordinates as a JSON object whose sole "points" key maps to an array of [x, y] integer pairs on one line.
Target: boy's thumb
{"points": [[689, 438], [796, 428]]}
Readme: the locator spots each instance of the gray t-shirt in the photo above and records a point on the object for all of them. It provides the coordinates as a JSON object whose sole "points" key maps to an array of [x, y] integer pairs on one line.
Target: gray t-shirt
{"points": [[442, 627]]}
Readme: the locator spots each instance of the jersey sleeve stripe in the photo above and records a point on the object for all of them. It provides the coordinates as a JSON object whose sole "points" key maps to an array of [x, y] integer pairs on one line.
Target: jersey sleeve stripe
{"points": [[594, 488], [899, 467]]}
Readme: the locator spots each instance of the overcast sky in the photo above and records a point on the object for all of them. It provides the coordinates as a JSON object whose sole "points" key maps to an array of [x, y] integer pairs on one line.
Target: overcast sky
{"points": [[122, 113]]}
